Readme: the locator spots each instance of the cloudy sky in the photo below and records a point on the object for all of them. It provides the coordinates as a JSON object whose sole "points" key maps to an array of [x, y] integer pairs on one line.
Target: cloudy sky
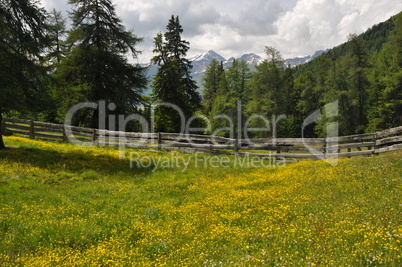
{"points": [[233, 28]]}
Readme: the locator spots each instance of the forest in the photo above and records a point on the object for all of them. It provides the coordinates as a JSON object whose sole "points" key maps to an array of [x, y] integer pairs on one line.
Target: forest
{"points": [[47, 67], [363, 75]]}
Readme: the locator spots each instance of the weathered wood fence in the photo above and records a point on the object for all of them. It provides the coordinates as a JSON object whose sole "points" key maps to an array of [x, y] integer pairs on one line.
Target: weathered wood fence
{"points": [[296, 148]]}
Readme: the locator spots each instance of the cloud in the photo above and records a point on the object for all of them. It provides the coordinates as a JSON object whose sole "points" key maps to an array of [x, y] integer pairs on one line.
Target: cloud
{"points": [[254, 18], [232, 28], [60, 5], [152, 16], [319, 24]]}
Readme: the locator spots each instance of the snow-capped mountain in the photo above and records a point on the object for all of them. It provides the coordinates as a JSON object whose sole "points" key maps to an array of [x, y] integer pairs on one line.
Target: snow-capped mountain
{"points": [[201, 62], [252, 59], [228, 63], [302, 60]]}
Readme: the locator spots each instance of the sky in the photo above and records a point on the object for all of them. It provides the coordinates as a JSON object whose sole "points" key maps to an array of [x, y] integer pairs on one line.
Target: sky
{"points": [[233, 28]]}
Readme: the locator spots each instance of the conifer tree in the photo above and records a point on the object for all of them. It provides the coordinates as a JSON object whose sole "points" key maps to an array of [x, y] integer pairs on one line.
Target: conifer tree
{"points": [[57, 32], [211, 82], [97, 67], [22, 42], [358, 81], [232, 90], [173, 83], [267, 88], [385, 95]]}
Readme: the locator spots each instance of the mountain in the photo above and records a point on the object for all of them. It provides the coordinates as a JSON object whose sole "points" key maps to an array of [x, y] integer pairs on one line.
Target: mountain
{"points": [[373, 104], [201, 62], [293, 62], [252, 59]]}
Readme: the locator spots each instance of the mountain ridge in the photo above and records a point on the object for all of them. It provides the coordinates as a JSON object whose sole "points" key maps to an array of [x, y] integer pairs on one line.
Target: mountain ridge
{"points": [[202, 61]]}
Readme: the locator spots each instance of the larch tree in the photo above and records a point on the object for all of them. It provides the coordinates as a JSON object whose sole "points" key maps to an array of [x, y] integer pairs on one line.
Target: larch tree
{"points": [[22, 42], [358, 80], [385, 95], [211, 82], [232, 91], [267, 90], [57, 32]]}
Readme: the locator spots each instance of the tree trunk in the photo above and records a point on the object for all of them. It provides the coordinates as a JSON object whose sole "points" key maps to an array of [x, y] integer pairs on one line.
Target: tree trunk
{"points": [[2, 146]]}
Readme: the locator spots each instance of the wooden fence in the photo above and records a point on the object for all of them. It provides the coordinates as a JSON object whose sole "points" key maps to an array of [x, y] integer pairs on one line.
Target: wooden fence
{"points": [[295, 148]]}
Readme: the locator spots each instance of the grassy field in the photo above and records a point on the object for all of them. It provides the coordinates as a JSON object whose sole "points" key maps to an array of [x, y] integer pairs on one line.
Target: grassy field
{"points": [[65, 205]]}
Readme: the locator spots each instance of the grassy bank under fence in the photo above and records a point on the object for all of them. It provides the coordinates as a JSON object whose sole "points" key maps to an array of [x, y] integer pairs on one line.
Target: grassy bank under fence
{"points": [[65, 205]]}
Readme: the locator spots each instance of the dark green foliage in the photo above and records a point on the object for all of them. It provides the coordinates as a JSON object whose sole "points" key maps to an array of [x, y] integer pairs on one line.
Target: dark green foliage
{"points": [[173, 83], [212, 80], [266, 85], [358, 81], [97, 67], [22, 43], [385, 96], [363, 75], [272, 94], [225, 96], [91, 64]]}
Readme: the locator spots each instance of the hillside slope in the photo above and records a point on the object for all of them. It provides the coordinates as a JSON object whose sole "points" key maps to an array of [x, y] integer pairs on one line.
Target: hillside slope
{"points": [[374, 38], [363, 75]]}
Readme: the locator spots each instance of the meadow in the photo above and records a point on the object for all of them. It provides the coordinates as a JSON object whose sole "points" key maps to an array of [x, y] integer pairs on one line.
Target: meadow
{"points": [[66, 205]]}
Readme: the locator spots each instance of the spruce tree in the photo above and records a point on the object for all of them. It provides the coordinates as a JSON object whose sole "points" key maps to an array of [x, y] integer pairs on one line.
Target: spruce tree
{"points": [[97, 67], [22, 42], [173, 83]]}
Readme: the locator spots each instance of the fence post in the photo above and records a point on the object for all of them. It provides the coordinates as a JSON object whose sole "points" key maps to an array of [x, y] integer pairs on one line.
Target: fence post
{"points": [[3, 126], [65, 138], [236, 145], [376, 146], [94, 137], [31, 129], [210, 144], [159, 141]]}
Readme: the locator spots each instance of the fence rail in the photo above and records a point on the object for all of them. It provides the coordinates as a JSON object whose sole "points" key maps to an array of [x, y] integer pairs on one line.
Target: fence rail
{"points": [[296, 148]]}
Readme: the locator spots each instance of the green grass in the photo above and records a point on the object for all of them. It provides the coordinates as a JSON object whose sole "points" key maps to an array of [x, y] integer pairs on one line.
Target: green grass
{"points": [[65, 205]]}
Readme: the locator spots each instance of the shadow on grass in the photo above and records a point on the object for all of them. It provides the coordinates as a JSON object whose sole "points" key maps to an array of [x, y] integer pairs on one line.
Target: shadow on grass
{"points": [[77, 161]]}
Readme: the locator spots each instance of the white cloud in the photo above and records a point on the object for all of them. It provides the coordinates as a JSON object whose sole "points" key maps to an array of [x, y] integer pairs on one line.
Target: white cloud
{"points": [[232, 28], [254, 18], [319, 24]]}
